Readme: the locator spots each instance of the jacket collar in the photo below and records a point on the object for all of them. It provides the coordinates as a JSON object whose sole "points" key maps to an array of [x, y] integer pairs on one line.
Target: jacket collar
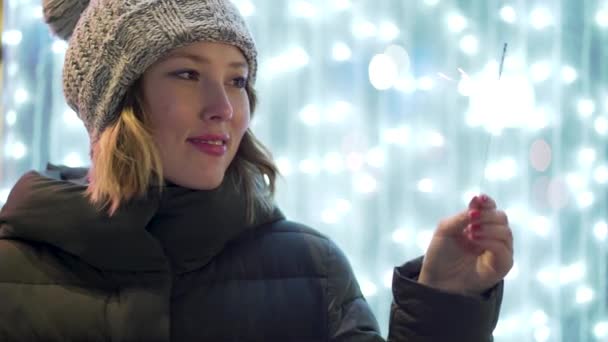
{"points": [[179, 228]]}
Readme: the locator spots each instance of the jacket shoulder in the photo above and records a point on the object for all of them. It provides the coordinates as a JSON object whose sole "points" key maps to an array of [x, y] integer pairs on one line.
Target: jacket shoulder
{"points": [[28, 262], [285, 238]]}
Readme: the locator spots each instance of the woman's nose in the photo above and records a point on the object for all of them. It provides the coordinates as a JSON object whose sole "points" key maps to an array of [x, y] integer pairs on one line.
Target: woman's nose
{"points": [[217, 105]]}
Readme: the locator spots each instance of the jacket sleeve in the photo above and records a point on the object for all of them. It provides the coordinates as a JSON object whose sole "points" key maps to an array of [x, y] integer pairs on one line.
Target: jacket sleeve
{"points": [[350, 317], [421, 314]]}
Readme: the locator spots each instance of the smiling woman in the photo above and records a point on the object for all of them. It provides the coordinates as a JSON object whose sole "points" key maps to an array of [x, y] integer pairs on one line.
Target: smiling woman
{"points": [[186, 119]]}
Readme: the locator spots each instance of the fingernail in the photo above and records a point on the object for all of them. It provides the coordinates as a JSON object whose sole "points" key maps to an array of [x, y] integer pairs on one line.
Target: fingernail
{"points": [[475, 236], [476, 200], [484, 198], [475, 227], [474, 215]]}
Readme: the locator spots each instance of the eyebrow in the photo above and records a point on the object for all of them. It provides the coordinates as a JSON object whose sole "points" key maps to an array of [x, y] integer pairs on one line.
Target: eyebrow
{"points": [[202, 60]]}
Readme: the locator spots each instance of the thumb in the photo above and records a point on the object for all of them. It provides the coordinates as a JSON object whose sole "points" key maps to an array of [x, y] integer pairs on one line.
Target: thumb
{"points": [[454, 225]]}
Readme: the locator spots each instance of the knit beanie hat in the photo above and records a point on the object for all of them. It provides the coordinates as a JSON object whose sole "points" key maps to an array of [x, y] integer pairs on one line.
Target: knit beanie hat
{"points": [[112, 42]]}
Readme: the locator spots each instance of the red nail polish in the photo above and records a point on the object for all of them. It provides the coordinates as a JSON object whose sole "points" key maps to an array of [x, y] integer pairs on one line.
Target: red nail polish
{"points": [[484, 198], [474, 215], [475, 227]]}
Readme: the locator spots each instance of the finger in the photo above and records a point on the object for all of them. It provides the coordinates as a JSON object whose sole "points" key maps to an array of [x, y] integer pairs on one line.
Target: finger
{"points": [[500, 258], [500, 233], [488, 217], [482, 202]]}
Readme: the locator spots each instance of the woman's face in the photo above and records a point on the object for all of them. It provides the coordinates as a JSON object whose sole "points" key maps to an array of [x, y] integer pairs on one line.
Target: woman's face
{"points": [[198, 108]]}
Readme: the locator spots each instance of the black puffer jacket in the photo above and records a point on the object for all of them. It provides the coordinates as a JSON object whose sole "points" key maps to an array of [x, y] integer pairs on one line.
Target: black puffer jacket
{"points": [[184, 266]]}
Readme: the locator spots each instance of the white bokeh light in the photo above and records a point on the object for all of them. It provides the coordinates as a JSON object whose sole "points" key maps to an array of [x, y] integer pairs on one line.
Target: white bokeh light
{"points": [[586, 156], [73, 159], [585, 199], [426, 185], [423, 239], [425, 83], [376, 157], [383, 72], [16, 150], [569, 74], [539, 318], [397, 135], [401, 235], [600, 174], [364, 29], [542, 334], [585, 107], [401, 58], [309, 166], [310, 115], [600, 330], [11, 117], [292, 59], [469, 44], [601, 18], [341, 5], [540, 225], [341, 52], [388, 31], [59, 46], [11, 37], [502, 170], [304, 9], [339, 111], [456, 22], [246, 7], [600, 230], [584, 294], [541, 18], [368, 288], [601, 125], [329, 216], [37, 12], [4, 195], [540, 71], [284, 165], [365, 183], [21, 96], [508, 14], [333, 162]]}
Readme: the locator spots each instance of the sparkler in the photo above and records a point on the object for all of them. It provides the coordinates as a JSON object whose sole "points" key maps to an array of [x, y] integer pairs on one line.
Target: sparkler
{"points": [[489, 144]]}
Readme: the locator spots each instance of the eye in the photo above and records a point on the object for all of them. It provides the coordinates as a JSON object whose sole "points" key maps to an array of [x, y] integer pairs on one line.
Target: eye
{"points": [[240, 82], [190, 75]]}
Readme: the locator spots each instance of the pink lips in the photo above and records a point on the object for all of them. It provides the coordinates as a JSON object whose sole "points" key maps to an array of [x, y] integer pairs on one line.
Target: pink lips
{"points": [[211, 144]]}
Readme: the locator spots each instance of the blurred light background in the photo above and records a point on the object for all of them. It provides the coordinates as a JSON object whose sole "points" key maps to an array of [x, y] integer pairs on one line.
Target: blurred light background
{"points": [[386, 116]]}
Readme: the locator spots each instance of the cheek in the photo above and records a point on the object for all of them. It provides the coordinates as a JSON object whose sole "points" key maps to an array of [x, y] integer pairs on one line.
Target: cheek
{"points": [[168, 116], [243, 115]]}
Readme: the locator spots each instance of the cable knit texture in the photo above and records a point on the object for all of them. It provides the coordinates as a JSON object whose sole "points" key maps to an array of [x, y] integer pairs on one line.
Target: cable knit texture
{"points": [[112, 43]]}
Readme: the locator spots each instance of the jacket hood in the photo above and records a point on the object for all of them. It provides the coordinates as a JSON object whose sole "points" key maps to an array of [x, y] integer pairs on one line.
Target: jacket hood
{"points": [[179, 228]]}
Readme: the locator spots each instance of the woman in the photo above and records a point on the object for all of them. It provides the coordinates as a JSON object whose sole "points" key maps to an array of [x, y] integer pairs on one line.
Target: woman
{"points": [[173, 236]]}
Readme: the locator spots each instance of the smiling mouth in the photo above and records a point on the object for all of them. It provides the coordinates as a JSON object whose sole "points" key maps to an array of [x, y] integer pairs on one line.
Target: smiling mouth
{"points": [[216, 148]]}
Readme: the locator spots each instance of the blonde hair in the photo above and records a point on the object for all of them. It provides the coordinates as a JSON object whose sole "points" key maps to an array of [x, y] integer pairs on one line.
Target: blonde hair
{"points": [[126, 162]]}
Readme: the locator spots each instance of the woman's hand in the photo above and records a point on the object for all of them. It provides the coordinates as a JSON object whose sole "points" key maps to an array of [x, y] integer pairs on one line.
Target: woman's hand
{"points": [[470, 252]]}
